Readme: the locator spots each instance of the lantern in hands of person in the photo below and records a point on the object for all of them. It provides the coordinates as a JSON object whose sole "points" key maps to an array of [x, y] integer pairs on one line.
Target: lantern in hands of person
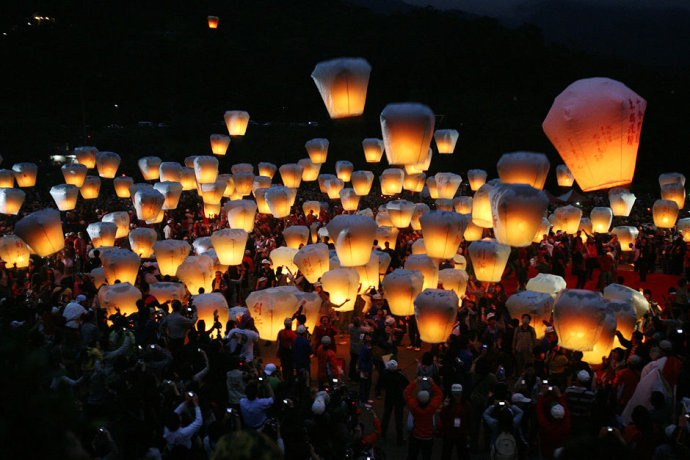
{"points": [[353, 236], [41, 231], [14, 251], [579, 318], [342, 284]]}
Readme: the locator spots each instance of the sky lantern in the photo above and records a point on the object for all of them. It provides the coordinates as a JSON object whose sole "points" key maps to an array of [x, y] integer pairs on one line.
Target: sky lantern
{"points": [[383, 219], [626, 235], [618, 292], [544, 229], [373, 149], [187, 179], [25, 174], [211, 193], [170, 254], [476, 178], [91, 187], [196, 272], [435, 311], [454, 279], [604, 344], [236, 122], [447, 184], [407, 131], [400, 212], [418, 247], [310, 170], [579, 318], [683, 226], [189, 161], [414, 182], [283, 256], [342, 83], [621, 201], [241, 214], [166, 291], [601, 218], [170, 171], [172, 191], [86, 155], [387, 234], [291, 173], [229, 184], [517, 211], [463, 204], [102, 233], [400, 288], [342, 284], [11, 200], [313, 261], [671, 178], [219, 144], [6, 178], [141, 241], [14, 251], [74, 173], [391, 180], [419, 210], [362, 181], [65, 196], [120, 264], [322, 181], [446, 140], [269, 308], [107, 164], [210, 304], [625, 316], [426, 266], [595, 125], [523, 168], [536, 304], [212, 22], [442, 232], [206, 169], [665, 213], [349, 199], [674, 192], [431, 187], [317, 149], [148, 203], [41, 231], [568, 218], [267, 169], [368, 274], [564, 177], [296, 236], [481, 207], [353, 236], [473, 232], [150, 167], [244, 181], [546, 283], [489, 259], [122, 295], [333, 186], [343, 170], [311, 207], [278, 200]]}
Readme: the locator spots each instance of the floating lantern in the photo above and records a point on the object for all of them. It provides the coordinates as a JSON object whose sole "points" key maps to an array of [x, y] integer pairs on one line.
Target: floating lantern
{"points": [[170, 171], [386, 234], [621, 201], [473, 232], [419, 210], [170, 254], [148, 203], [414, 182], [166, 291], [74, 173], [91, 187], [312, 261], [244, 181], [447, 184], [241, 214], [400, 288], [270, 307], [407, 130], [476, 178], [229, 184], [546, 283], [564, 177], [443, 231], [206, 169], [172, 191], [369, 274], [267, 169], [124, 296], [311, 207], [418, 247], [435, 311], [444, 204], [120, 264], [107, 164], [342, 84], [427, 267], [278, 200], [362, 181], [481, 207], [41, 230], [187, 179], [11, 200], [568, 218], [141, 240], [121, 184], [674, 192], [209, 306], [86, 155], [373, 149], [212, 193], [544, 229], [601, 218], [283, 257], [65, 196], [333, 187], [102, 233], [683, 226], [196, 272], [626, 236], [463, 204], [150, 167], [343, 170], [400, 212], [536, 304], [14, 251], [322, 181], [579, 318], [212, 22], [454, 280], [383, 219], [446, 140], [665, 213], [236, 122], [523, 168], [291, 174], [219, 144], [431, 187], [25, 174], [489, 259], [626, 318], [211, 210], [517, 211], [618, 292], [189, 161], [391, 180], [6, 178], [353, 236], [310, 170], [296, 236], [317, 149], [671, 178], [261, 204], [342, 284], [595, 125], [349, 199]]}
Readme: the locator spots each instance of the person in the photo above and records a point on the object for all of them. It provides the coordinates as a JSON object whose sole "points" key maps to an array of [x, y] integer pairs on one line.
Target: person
{"points": [[579, 400], [524, 341], [177, 325], [327, 363], [246, 338], [455, 422], [357, 333], [423, 398], [364, 446], [252, 408], [74, 312], [285, 349], [394, 383], [366, 369], [303, 351], [177, 435], [554, 420]]}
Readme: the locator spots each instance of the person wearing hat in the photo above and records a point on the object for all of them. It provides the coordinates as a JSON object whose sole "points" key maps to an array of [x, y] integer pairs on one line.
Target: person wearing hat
{"points": [[554, 420], [627, 379], [393, 382], [327, 364], [272, 375], [524, 341], [423, 398], [455, 422], [580, 400], [285, 350], [303, 351]]}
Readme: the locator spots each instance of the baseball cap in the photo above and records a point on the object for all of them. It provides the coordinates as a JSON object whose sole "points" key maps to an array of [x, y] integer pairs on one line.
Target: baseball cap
{"points": [[318, 407], [583, 376], [392, 365], [423, 397], [270, 368], [456, 388], [557, 412], [490, 316], [80, 298], [520, 398]]}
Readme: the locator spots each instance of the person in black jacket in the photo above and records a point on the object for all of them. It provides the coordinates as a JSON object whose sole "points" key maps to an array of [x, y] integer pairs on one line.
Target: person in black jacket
{"points": [[394, 383]]}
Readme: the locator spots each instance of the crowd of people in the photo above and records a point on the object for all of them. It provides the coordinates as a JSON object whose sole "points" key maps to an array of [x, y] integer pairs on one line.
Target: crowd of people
{"points": [[161, 384]]}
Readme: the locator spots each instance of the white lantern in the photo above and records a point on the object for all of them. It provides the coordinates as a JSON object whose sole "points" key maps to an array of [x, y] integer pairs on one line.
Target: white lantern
{"points": [[601, 218], [170, 254], [674, 192], [407, 130], [536, 304], [122, 184], [11, 200], [443, 231], [25, 174], [431, 187], [446, 140], [14, 251], [270, 307], [310, 170], [141, 240], [187, 179], [107, 164], [414, 182], [544, 229], [206, 169], [74, 173], [317, 149], [166, 291], [383, 219], [202, 245], [386, 234], [517, 211], [419, 210], [400, 288], [435, 311], [124, 296], [244, 181], [342, 285], [447, 184], [683, 226], [236, 122], [459, 262], [523, 168], [278, 199], [476, 178], [333, 187], [618, 292], [546, 283], [212, 193], [86, 155], [373, 149], [102, 233], [6, 178], [241, 214], [665, 213], [230, 245], [120, 264], [489, 259], [296, 236], [170, 171], [342, 84], [426, 266], [362, 181], [621, 201], [568, 218], [349, 199], [41, 231], [91, 187], [353, 236], [291, 174], [473, 232], [172, 191], [564, 177], [229, 184], [626, 236], [65, 196], [626, 318], [148, 203], [671, 178], [391, 180], [283, 257], [219, 144], [400, 212], [444, 204], [481, 207], [267, 169], [196, 272], [311, 207], [579, 318], [150, 167], [209, 306], [312, 261]]}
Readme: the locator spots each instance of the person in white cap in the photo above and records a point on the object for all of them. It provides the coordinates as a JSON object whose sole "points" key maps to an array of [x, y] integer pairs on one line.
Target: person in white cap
{"points": [[393, 382], [74, 311], [580, 400], [285, 350], [455, 422], [554, 420]]}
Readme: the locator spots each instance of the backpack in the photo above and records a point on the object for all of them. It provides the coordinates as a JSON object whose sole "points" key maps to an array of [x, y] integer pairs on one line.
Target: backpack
{"points": [[504, 448]]}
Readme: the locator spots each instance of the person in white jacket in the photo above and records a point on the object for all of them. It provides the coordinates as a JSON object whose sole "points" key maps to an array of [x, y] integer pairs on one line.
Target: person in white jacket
{"points": [[177, 435]]}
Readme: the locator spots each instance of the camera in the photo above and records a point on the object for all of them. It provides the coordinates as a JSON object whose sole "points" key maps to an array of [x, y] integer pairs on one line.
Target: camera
{"points": [[501, 403], [609, 429], [285, 401], [335, 380], [550, 388], [545, 381], [228, 410], [261, 379], [190, 394]]}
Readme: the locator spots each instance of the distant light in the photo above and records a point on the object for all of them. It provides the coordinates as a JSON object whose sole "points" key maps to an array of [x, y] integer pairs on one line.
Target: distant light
{"points": [[28, 23], [577, 203], [116, 106]]}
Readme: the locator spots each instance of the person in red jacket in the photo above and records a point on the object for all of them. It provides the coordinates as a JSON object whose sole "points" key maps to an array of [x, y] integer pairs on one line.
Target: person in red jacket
{"points": [[454, 424], [423, 398], [327, 363], [364, 445], [285, 352], [554, 420]]}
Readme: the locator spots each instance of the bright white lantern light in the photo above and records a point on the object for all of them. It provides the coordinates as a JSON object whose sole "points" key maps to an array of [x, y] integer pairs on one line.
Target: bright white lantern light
{"points": [[446, 140], [236, 122], [342, 84], [407, 131]]}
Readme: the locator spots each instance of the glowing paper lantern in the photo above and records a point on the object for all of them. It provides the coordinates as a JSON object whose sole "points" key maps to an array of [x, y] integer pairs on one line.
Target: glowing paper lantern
{"points": [[564, 177], [107, 164], [427, 267], [621, 201], [189, 161], [446, 140], [489, 259], [11, 200], [74, 173], [517, 211], [278, 200], [536, 304], [148, 203], [212, 22], [419, 210], [543, 229], [383, 219], [150, 167], [481, 207], [283, 257], [333, 187], [373, 149], [170, 254], [41, 231], [618, 292], [317, 149], [291, 174], [211, 210], [353, 236], [601, 218], [579, 318], [65, 196], [102, 233], [523, 168], [296, 236], [206, 169], [463, 204], [473, 232], [342, 84], [230, 184], [414, 182], [269, 308], [476, 178], [124, 296], [595, 125], [444, 204], [244, 181], [196, 273], [674, 192], [342, 285], [166, 291], [91, 187], [120, 264], [391, 180], [568, 218], [626, 236], [386, 234], [141, 241], [343, 170], [121, 184], [311, 207], [170, 171], [454, 279], [236, 122], [683, 226], [431, 187], [267, 169], [86, 155], [546, 283], [138, 186], [208, 306], [443, 231], [400, 288], [14, 251], [6, 178], [187, 179], [25, 174], [400, 212], [172, 191], [671, 178], [665, 213], [407, 130], [349, 199], [310, 170], [212, 193], [435, 311], [312, 261], [219, 144], [361, 182], [241, 214], [447, 184], [322, 181]]}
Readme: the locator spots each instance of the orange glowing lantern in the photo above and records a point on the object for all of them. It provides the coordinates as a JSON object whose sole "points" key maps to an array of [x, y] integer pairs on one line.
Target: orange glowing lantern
{"points": [[419, 210], [240, 214], [476, 178], [170, 171], [349, 199], [426, 266], [219, 144], [141, 240], [601, 218], [674, 192], [310, 170], [206, 169], [618, 292], [120, 264], [683, 226], [333, 186], [86, 155], [463, 204], [407, 131], [665, 213], [391, 180], [489, 259], [621, 201], [312, 261], [291, 174], [236, 122], [454, 279], [107, 164], [568, 218], [671, 178], [170, 254], [311, 207], [536, 304], [172, 191], [517, 211], [400, 212], [342, 84], [564, 177], [11, 200], [446, 140], [362, 181], [343, 170], [481, 207], [435, 311], [373, 149], [523, 168], [150, 167], [443, 231], [447, 184], [353, 236], [626, 236], [579, 318], [91, 187], [14, 251], [400, 288], [124, 296], [386, 234], [102, 233], [6, 178], [74, 173], [296, 236], [267, 169], [317, 149], [25, 174], [212, 22], [65, 196]]}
